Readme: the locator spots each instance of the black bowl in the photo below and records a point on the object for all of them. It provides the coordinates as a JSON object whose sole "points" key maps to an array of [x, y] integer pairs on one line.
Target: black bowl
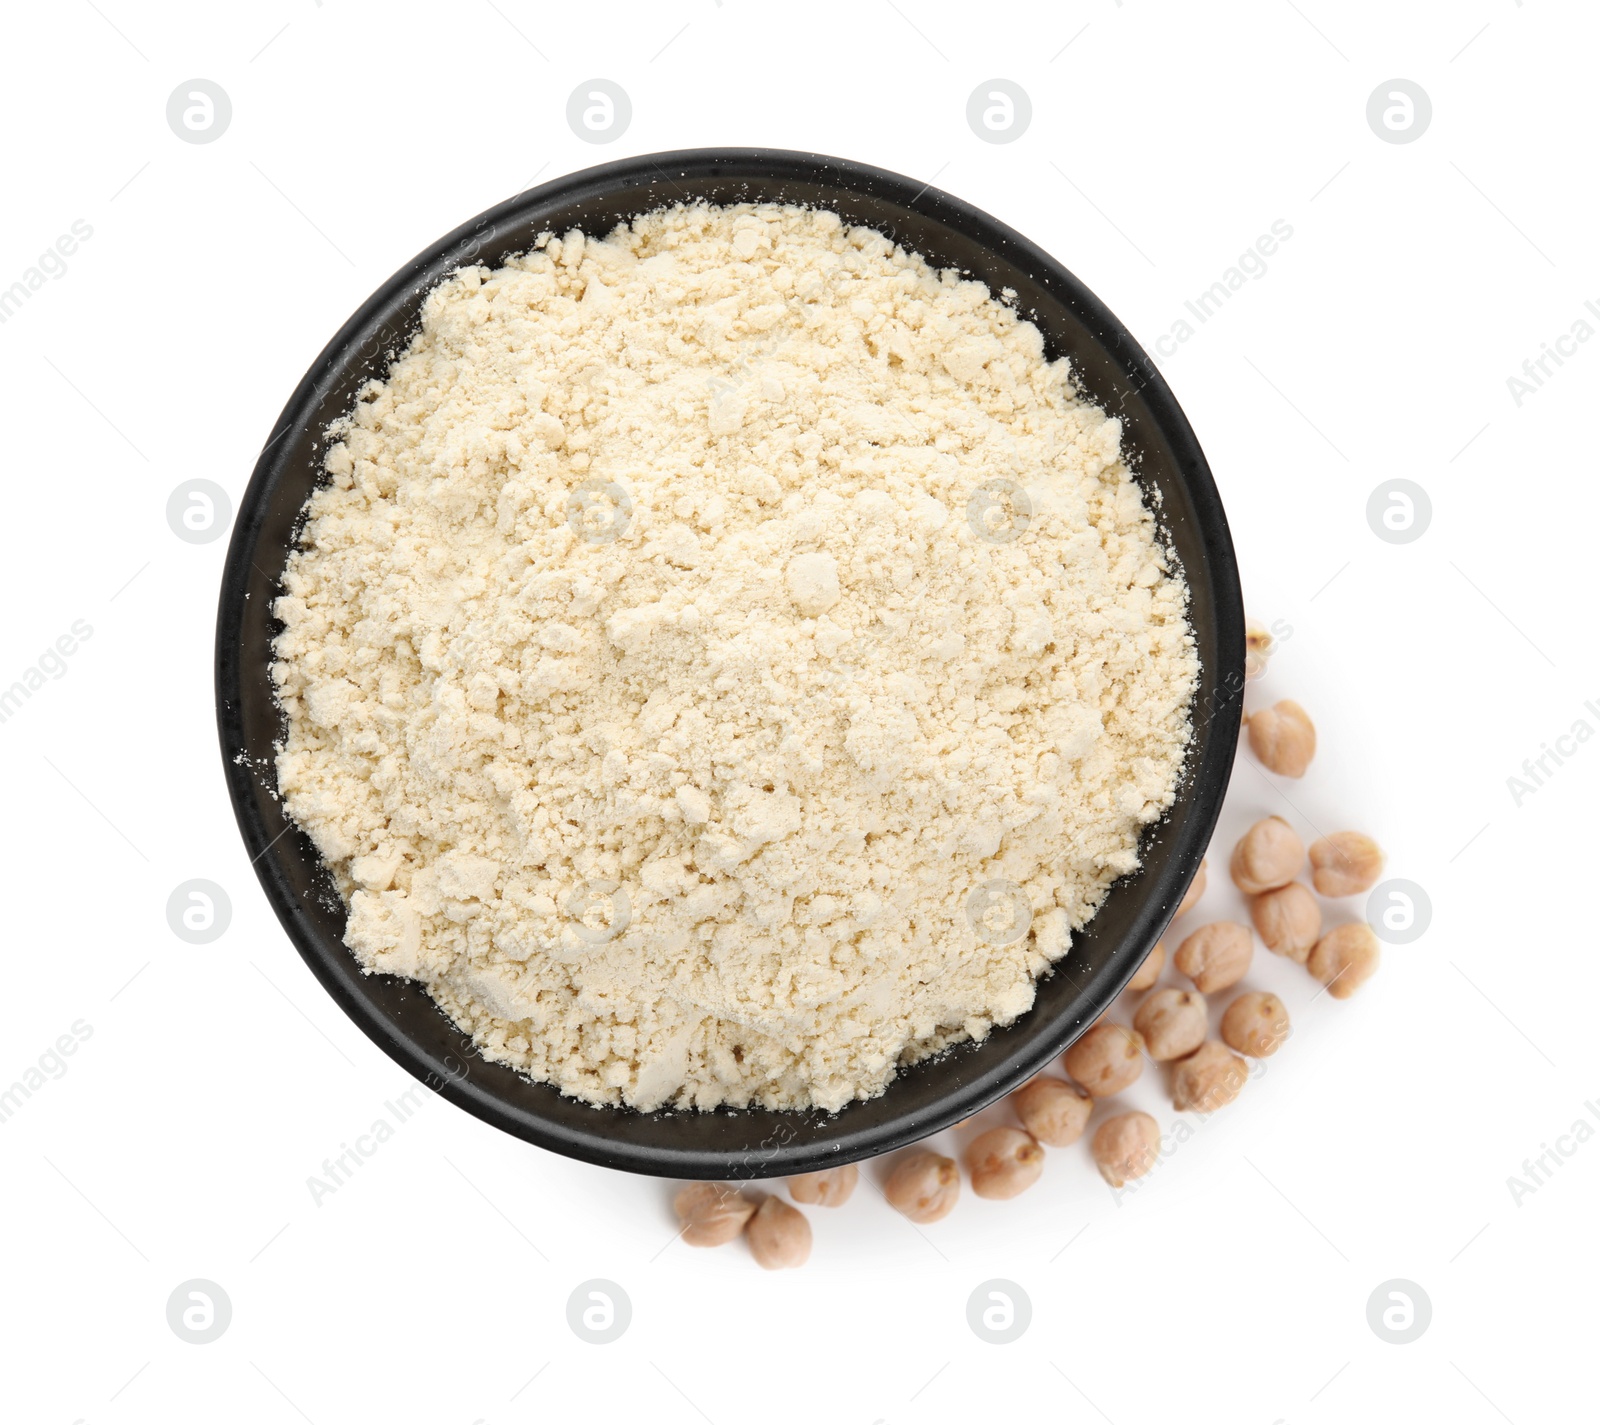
{"points": [[398, 1014]]}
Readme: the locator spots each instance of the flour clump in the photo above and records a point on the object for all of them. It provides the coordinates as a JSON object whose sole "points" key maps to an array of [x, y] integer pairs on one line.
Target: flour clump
{"points": [[727, 661]]}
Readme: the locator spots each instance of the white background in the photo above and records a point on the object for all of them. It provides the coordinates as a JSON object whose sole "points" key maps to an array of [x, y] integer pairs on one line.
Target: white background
{"points": [[1166, 137]]}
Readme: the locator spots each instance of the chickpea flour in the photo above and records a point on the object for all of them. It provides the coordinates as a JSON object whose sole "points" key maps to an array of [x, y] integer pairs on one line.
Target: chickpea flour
{"points": [[727, 661]]}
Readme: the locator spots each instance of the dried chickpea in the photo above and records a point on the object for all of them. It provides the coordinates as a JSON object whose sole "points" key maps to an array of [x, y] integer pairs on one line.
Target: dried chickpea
{"points": [[779, 1235], [1288, 920], [924, 1186], [1173, 1023], [828, 1188], [1255, 1024], [1197, 888], [1107, 1059], [1215, 956], [1345, 959], [1269, 855], [1053, 1110], [1004, 1162], [1126, 1147], [1209, 1079], [1150, 969], [711, 1213], [1283, 738], [1345, 864]]}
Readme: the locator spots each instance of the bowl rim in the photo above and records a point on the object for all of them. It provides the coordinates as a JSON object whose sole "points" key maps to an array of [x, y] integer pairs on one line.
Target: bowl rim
{"points": [[968, 1093]]}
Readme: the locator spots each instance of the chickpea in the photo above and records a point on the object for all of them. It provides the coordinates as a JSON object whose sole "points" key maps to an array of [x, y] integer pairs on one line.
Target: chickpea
{"points": [[779, 1235], [1107, 1059], [1288, 920], [1255, 1024], [1150, 969], [1258, 646], [1197, 888], [1215, 956], [1268, 856], [711, 1213], [1345, 864], [829, 1188], [1004, 1162], [1126, 1147], [1209, 1079], [1173, 1023], [1345, 959], [1283, 738], [1053, 1110], [924, 1186]]}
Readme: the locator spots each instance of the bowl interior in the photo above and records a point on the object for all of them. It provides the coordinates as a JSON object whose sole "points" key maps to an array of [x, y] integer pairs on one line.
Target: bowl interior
{"points": [[399, 1015]]}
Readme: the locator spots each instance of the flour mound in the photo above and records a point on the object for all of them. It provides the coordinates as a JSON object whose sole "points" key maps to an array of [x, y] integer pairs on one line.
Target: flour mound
{"points": [[693, 624]]}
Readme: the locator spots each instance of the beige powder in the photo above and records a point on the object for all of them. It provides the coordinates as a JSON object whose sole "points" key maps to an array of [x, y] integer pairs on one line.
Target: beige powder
{"points": [[666, 702]]}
